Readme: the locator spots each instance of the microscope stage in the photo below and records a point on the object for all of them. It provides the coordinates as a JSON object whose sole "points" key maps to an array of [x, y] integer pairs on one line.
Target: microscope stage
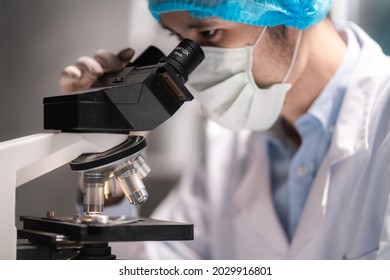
{"points": [[112, 230]]}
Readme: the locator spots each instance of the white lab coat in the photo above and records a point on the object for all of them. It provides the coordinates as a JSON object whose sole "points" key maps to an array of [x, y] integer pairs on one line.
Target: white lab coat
{"points": [[228, 199]]}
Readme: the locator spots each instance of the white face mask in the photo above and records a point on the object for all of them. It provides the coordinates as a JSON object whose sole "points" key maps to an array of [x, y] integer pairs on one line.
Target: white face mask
{"points": [[226, 89]]}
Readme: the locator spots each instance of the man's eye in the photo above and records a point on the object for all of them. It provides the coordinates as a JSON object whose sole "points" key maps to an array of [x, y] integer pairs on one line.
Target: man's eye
{"points": [[209, 33]]}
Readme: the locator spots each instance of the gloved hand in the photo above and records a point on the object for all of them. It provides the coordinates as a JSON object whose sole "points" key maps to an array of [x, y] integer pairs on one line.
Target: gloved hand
{"points": [[87, 69]]}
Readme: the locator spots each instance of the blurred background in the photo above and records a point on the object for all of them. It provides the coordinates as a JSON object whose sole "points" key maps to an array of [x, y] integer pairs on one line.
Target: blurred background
{"points": [[38, 38]]}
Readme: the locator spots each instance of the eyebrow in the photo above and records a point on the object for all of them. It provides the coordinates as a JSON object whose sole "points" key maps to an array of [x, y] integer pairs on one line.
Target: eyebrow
{"points": [[195, 24], [201, 23]]}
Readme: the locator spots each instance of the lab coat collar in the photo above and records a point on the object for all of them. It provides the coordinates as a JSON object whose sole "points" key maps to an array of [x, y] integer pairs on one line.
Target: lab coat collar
{"points": [[350, 136], [351, 130]]}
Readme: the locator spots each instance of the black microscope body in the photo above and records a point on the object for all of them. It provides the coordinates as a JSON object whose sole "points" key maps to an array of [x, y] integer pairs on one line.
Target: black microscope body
{"points": [[139, 98]]}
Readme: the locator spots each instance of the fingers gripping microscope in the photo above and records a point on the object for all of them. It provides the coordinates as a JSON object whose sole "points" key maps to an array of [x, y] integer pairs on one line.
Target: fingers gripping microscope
{"points": [[94, 138]]}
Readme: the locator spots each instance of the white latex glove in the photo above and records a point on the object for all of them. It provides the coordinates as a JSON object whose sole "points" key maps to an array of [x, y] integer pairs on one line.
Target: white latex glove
{"points": [[87, 70]]}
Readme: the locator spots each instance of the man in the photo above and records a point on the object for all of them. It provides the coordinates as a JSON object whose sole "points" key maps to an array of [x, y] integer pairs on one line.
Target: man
{"points": [[296, 157]]}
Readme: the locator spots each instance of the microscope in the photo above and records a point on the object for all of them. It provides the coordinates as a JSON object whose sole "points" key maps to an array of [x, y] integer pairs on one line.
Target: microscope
{"points": [[93, 136]]}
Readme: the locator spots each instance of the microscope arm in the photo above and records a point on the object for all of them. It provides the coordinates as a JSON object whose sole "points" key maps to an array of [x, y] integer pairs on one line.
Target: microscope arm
{"points": [[27, 158]]}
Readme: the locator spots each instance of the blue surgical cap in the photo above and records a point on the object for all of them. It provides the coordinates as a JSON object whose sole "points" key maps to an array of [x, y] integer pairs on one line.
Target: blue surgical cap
{"points": [[296, 13]]}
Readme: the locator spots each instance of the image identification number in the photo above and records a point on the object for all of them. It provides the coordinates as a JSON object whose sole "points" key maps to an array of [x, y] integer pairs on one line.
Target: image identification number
{"points": [[231, 270]]}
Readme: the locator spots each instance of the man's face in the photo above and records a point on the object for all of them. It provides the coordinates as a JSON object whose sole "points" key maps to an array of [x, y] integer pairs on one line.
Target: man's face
{"points": [[210, 31], [269, 66]]}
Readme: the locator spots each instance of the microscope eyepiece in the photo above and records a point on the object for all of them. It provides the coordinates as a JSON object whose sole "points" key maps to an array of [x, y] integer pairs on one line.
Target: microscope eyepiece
{"points": [[185, 58]]}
